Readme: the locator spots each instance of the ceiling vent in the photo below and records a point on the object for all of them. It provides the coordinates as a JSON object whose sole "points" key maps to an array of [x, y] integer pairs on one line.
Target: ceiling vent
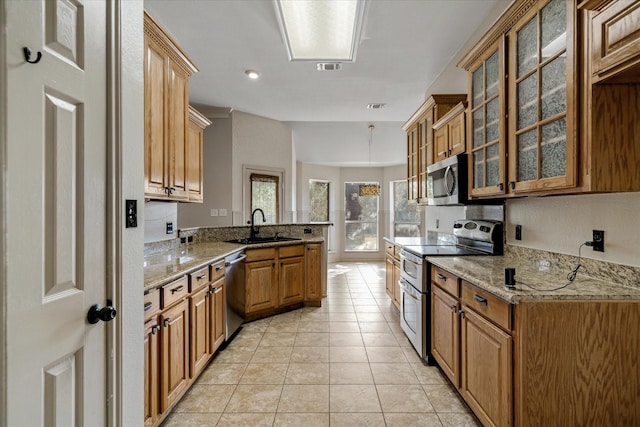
{"points": [[375, 106], [329, 66]]}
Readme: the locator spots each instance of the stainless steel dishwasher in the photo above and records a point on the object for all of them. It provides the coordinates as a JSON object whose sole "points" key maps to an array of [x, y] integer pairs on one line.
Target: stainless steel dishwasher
{"points": [[234, 292]]}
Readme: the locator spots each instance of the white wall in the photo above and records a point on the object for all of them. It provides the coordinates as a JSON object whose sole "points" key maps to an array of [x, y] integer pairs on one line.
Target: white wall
{"points": [[258, 141], [562, 223], [217, 175], [156, 217]]}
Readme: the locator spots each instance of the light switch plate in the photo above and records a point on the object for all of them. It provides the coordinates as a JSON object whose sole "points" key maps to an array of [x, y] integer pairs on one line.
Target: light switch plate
{"points": [[223, 212], [214, 212]]}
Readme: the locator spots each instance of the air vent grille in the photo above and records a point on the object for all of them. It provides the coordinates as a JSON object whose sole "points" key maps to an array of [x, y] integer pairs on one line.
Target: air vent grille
{"points": [[329, 66], [375, 106]]}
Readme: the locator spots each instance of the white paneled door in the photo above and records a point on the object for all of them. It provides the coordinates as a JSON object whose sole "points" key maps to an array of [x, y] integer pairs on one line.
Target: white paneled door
{"points": [[56, 212]]}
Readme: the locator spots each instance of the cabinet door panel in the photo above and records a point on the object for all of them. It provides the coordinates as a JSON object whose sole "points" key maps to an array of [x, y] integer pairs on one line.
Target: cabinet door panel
{"points": [[457, 136], [291, 280], [445, 333], [199, 314], [486, 378], [441, 143], [261, 284], [218, 315], [194, 162], [178, 109], [313, 265], [175, 353], [151, 372]]}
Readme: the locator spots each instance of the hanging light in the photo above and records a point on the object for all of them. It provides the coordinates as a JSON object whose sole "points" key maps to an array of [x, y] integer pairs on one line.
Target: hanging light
{"points": [[369, 189]]}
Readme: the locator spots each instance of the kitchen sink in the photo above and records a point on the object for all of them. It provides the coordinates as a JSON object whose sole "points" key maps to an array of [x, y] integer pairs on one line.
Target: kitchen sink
{"points": [[256, 240]]}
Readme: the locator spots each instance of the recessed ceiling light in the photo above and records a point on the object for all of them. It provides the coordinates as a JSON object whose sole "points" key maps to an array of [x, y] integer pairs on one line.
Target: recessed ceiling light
{"points": [[252, 74], [376, 106]]}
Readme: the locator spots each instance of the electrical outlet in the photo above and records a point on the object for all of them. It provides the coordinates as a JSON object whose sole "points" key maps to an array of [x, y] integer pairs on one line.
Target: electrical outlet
{"points": [[307, 231], [131, 213], [190, 239], [169, 228], [598, 240], [214, 212], [223, 212], [518, 232], [437, 223]]}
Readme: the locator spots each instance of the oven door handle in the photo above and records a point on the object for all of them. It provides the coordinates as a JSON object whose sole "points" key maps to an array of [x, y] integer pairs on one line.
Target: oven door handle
{"points": [[448, 172]]}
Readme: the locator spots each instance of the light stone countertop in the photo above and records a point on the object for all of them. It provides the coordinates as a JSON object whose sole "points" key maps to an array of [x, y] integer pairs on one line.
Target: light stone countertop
{"points": [[164, 267], [487, 272]]}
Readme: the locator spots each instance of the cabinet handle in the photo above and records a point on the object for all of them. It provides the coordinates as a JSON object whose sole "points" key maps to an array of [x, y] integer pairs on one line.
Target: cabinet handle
{"points": [[442, 277], [171, 190], [166, 322], [220, 267], [178, 289], [500, 187], [480, 299], [154, 329], [512, 185], [147, 305], [454, 308], [273, 265], [202, 276], [166, 190], [461, 313], [217, 290]]}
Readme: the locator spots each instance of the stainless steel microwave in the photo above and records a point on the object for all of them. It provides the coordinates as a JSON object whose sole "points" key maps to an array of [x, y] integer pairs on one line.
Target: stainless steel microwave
{"points": [[447, 181]]}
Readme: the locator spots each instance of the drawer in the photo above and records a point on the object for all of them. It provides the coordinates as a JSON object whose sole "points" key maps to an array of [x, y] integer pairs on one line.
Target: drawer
{"points": [[151, 303], [217, 270], [290, 251], [198, 279], [260, 254], [447, 281], [486, 304], [390, 249], [175, 291]]}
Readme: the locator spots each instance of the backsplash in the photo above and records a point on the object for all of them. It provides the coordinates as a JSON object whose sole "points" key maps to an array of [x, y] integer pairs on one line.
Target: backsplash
{"points": [[156, 217], [600, 270]]}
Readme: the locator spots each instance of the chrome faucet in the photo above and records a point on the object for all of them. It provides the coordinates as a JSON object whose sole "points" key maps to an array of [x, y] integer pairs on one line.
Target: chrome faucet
{"points": [[253, 228]]}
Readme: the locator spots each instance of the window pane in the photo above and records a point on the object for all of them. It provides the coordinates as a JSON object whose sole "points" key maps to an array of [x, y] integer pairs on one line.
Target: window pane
{"points": [[318, 201], [361, 218], [406, 230], [402, 210], [264, 195]]}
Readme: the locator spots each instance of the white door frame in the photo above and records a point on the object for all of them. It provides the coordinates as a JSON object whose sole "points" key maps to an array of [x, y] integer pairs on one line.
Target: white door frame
{"points": [[3, 207]]}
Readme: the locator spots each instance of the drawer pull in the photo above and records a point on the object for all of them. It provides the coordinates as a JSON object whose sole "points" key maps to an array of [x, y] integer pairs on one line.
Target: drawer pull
{"points": [[147, 305], [202, 276], [454, 308], [442, 277], [178, 289], [220, 267], [217, 290], [480, 299], [154, 329], [461, 313], [166, 322]]}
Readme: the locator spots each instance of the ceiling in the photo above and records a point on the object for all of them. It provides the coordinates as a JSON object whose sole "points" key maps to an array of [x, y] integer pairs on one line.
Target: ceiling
{"points": [[405, 46]]}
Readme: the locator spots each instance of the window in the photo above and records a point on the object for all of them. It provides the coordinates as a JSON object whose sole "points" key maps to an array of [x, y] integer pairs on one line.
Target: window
{"points": [[361, 216], [405, 219], [264, 195], [318, 201]]}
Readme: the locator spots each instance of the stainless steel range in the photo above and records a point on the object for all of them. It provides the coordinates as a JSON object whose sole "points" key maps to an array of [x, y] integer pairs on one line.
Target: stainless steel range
{"points": [[470, 237]]}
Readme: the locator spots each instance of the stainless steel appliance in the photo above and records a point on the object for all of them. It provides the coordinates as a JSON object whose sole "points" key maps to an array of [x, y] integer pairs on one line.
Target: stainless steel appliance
{"points": [[447, 181], [234, 284], [470, 237]]}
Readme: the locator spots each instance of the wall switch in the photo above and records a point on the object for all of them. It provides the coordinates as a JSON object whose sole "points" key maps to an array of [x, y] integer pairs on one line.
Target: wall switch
{"points": [[169, 228], [437, 223], [598, 240], [190, 239], [518, 232], [183, 240], [131, 213], [222, 212], [214, 212], [307, 231]]}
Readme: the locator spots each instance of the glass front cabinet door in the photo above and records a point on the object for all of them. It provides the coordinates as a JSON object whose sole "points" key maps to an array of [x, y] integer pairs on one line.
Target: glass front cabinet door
{"points": [[542, 85], [486, 124]]}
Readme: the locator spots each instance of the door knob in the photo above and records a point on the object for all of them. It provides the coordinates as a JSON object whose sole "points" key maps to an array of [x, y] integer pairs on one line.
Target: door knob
{"points": [[97, 313]]}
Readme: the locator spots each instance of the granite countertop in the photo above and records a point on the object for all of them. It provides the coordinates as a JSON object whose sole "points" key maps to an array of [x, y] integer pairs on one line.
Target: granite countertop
{"points": [[164, 267], [487, 272]]}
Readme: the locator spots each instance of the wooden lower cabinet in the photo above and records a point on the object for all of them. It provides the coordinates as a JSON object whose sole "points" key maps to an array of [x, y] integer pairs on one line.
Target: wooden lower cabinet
{"points": [[199, 331], [291, 285], [445, 335], [392, 274], [151, 356], [217, 314], [260, 279], [486, 367], [313, 266], [174, 369]]}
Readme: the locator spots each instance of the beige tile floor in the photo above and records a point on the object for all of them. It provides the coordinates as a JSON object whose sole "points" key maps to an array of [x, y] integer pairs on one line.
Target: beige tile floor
{"points": [[346, 363]]}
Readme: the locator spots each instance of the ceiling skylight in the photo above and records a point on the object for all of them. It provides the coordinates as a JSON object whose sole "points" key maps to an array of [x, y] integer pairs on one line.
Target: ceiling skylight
{"points": [[320, 30]]}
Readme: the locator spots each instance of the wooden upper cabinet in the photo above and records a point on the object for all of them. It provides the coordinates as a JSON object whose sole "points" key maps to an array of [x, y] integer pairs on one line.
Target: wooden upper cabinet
{"points": [[449, 133], [195, 154], [166, 100], [486, 132], [420, 141], [615, 42], [542, 95]]}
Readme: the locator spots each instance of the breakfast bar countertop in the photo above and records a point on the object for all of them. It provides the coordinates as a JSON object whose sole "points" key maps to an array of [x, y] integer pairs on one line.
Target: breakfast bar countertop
{"points": [[534, 280], [166, 266]]}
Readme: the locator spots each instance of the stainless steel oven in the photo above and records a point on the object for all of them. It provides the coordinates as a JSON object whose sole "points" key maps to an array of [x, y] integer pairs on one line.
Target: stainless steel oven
{"points": [[413, 300]]}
